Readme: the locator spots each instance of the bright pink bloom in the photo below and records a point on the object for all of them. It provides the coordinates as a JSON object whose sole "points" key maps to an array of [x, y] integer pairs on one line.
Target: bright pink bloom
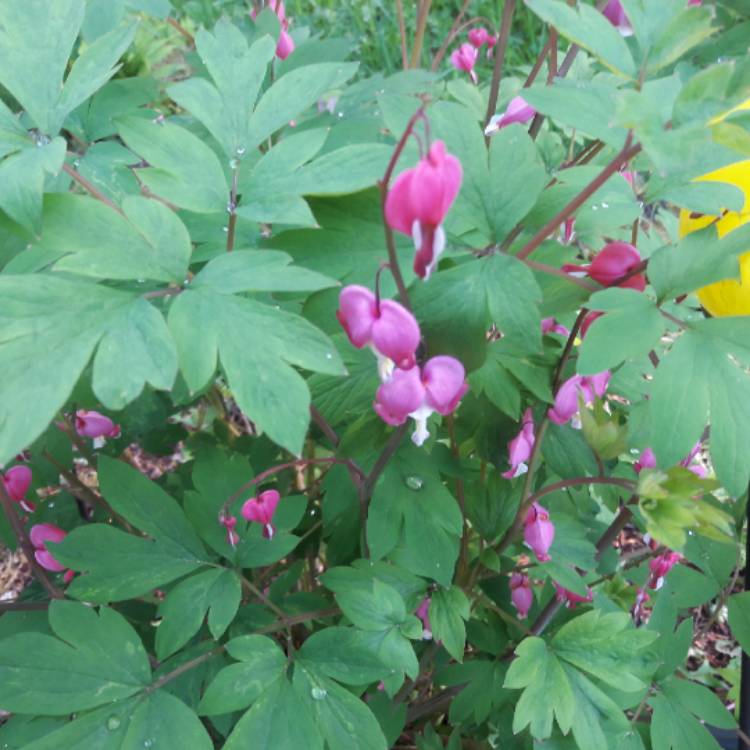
{"points": [[478, 36], [695, 2], [615, 14], [419, 200], [491, 42], [647, 460], [588, 321], [518, 111], [660, 566], [614, 261], [260, 509], [17, 481], [39, 535], [570, 599], [568, 230], [390, 329], [285, 45], [539, 532], [438, 387], [465, 58], [423, 613], [550, 325], [229, 523], [521, 594], [94, 425], [519, 449], [566, 398]]}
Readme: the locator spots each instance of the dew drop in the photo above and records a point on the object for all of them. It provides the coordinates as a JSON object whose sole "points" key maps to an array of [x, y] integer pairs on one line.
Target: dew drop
{"points": [[148, 743], [605, 205], [234, 163], [240, 150], [414, 482], [113, 722], [318, 694], [225, 229], [594, 208], [329, 355]]}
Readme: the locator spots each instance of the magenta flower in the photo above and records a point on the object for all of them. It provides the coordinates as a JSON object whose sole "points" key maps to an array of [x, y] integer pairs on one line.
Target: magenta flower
{"points": [[615, 14], [660, 566], [518, 111], [613, 261], [39, 535], [566, 398], [95, 425], [478, 36], [465, 58], [570, 599], [260, 510], [419, 200], [519, 449], [285, 45], [388, 328], [438, 387], [229, 523], [17, 481], [588, 321], [539, 532], [423, 613], [550, 325], [521, 594], [568, 230], [647, 460]]}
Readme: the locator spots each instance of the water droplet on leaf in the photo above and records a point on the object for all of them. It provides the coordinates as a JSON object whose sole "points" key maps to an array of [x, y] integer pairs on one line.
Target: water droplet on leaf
{"points": [[113, 722], [414, 482], [318, 694]]}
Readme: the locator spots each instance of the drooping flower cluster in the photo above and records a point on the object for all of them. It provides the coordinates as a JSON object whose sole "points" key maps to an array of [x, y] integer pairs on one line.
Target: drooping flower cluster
{"points": [[261, 510], [539, 532], [518, 111], [39, 535], [520, 448], [285, 45], [465, 57], [419, 201], [589, 387], [521, 594], [17, 481], [92, 424]]}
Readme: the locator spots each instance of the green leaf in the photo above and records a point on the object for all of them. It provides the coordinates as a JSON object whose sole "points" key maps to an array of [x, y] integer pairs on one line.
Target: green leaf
{"points": [[475, 702], [255, 550], [186, 605], [414, 518], [684, 31], [517, 177], [182, 168], [277, 720], [341, 653], [22, 178], [739, 618], [610, 341], [118, 566], [700, 701], [237, 72], [448, 610], [589, 29], [345, 722], [239, 685], [100, 660], [674, 728]]}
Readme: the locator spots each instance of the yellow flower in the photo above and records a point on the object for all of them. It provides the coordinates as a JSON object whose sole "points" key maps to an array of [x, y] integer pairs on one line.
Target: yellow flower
{"points": [[730, 297]]}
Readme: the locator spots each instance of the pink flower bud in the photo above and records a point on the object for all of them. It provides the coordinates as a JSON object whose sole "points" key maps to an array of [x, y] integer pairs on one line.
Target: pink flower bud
{"points": [[570, 599], [614, 261], [550, 325], [17, 481], [260, 510], [615, 14], [478, 36], [423, 613], [518, 111], [465, 58], [539, 532], [647, 460], [568, 230], [39, 535], [520, 448], [521, 594], [229, 522], [285, 45], [419, 200], [94, 425], [392, 330], [660, 566], [566, 398]]}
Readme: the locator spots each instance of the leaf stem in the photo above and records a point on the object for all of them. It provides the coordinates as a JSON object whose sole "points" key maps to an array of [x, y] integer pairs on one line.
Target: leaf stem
{"points": [[89, 188], [232, 209], [186, 667]]}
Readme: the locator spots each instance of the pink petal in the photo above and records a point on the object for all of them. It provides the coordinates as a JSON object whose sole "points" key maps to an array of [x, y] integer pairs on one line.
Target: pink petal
{"points": [[261, 508], [478, 36], [444, 380], [48, 562], [356, 314], [93, 424], [399, 212], [523, 598], [615, 260], [566, 400], [285, 45], [400, 396], [396, 334], [17, 481], [46, 532]]}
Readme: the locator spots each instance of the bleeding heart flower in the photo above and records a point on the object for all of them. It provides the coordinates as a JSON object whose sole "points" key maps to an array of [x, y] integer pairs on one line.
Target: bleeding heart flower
{"points": [[550, 325], [419, 200], [521, 594], [438, 387], [95, 425], [566, 398], [660, 566], [17, 481], [465, 58], [539, 532], [388, 328], [229, 522], [568, 230], [570, 599], [423, 613], [613, 261], [39, 535], [647, 460], [260, 509], [588, 321], [615, 14], [518, 111], [285, 45], [520, 448], [478, 36]]}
